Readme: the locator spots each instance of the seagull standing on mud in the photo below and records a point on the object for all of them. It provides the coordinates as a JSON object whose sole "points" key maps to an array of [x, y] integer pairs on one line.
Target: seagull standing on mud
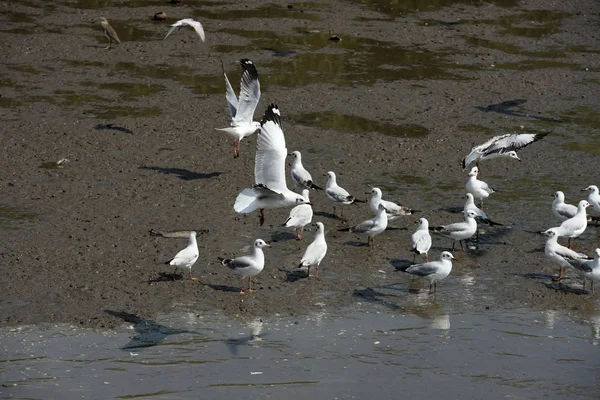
{"points": [[270, 189], [248, 266], [300, 216], [242, 109], [300, 175], [393, 210], [562, 210], [189, 22], [501, 146], [433, 271], [186, 258], [109, 32], [574, 227], [558, 254], [420, 241], [479, 189], [371, 227], [589, 269], [315, 252], [459, 230], [337, 194]]}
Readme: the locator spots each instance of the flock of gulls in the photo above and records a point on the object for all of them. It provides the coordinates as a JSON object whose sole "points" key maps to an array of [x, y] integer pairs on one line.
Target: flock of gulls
{"points": [[270, 191]]}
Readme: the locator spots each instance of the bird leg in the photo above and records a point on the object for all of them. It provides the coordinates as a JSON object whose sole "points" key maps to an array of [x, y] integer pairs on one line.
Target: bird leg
{"points": [[481, 205], [342, 211], [561, 273], [461, 245], [298, 233], [426, 258], [453, 243], [317, 273], [192, 277], [430, 287], [592, 284], [261, 216], [242, 286], [334, 210], [173, 274], [414, 255], [478, 169], [434, 288], [250, 285], [569, 243]]}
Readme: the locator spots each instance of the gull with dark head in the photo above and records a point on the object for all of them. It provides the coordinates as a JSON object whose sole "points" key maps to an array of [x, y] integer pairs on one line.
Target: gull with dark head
{"points": [[501, 146], [186, 258], [242, 109], [393, 210], [270, 189], [300, 175], [433, 271], [186, 22], [248, 266], [315, 252]]}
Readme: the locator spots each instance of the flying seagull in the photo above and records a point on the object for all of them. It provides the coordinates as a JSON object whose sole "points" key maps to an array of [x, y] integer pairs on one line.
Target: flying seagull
{"points": [[187, 21]]}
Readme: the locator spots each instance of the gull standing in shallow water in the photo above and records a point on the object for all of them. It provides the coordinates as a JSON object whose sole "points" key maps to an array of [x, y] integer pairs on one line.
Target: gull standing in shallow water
{"points": [[562, 210], [559, 254], [393, 210], [187, 21], [337, 194], [242, 110], [371, 227], [420, 241], [300, 216], [574, 227], [300, 175], [433, 271], [270, 189], [588, 269], [186, 258], [315, 252], [479, 189], [501, 146], [248, 266], [459, 230]]}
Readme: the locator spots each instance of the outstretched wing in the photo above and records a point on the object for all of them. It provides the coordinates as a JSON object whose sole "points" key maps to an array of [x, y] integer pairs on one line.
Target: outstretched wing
{"points": [[249, 93], [232, 100], [187, 21], [269, 168], [513, 142]]}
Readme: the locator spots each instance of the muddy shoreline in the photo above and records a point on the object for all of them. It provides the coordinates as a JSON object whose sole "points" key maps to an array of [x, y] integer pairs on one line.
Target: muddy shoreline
{"points": [[397, 104]]}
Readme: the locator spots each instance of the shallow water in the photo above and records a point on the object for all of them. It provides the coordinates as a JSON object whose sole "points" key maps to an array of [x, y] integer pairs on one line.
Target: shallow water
{"points": [[370, 349]]}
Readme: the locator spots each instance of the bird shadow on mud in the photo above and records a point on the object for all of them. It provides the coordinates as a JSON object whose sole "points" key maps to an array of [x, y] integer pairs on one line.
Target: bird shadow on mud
{"points": [[166, 277], [374, 296], [184, 174], [562, 288], [506, 108], [294, 275], [148, 333], [330, 215], [278, 236], [402, 264], [356, 244], [112, 127], [222, 288]]}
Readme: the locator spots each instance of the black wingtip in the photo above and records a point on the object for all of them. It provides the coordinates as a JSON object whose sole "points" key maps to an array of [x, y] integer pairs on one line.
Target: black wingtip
{"points": [[358, 201], [249, 66], [313, 186], [272, 114], [463, 163]]}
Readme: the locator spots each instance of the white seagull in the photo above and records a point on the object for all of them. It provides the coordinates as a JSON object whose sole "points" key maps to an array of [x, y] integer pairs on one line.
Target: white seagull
{"points": [[589, 269], [315, 252], [270, 189], [300, 175], [501, 146], [433, 271], [187, 21], [248, 266], [575, 226], [300, 216], [337, 194], [593, 197], [562, 210], [470, 205], [242, 110], [459, 230], [371, 227], [393, 210], [420, 241], [479, 189], [186, 257], [558, 254]]}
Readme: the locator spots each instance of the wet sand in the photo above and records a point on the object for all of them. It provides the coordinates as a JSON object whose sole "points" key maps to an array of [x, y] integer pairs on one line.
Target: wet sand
{"points": [[397, 103]]}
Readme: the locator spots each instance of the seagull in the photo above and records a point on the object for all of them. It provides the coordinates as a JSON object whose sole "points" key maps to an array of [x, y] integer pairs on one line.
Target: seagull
{"points": [[562, 210], [575, 226], [371, 227], [589, 269], [433, 271], [559, 254], [270, 189], [242, 110], [248, 266], [109, 32], [300, 216], [301, 176], [338, 194], [459, 230], [420, 241], [470, 205], [187, 21], [479, 189], [186, 257], [315, 252], [393, 210], [593, 197], [501, 146]]}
